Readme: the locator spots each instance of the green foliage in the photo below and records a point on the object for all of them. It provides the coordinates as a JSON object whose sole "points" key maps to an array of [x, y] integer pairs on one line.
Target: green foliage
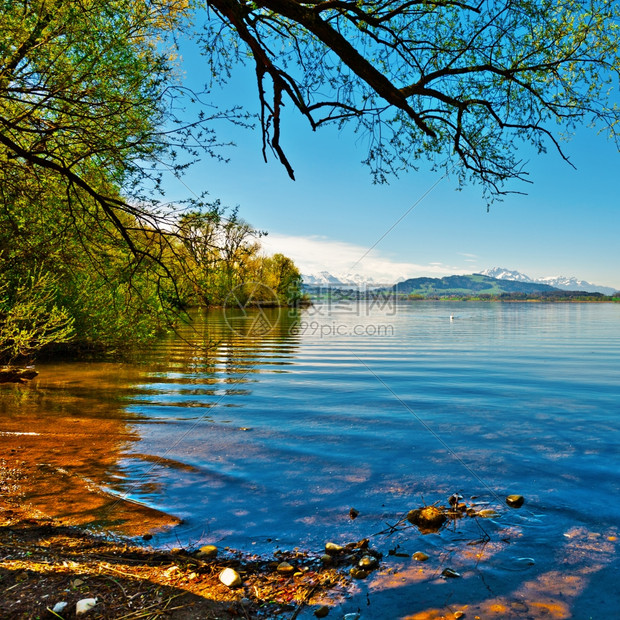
{"points": [[222, 256], [459, 84], [88, 95], [30, 319]]}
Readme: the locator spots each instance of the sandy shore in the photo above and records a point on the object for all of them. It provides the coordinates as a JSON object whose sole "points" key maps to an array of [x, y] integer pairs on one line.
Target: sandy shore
{"points": [[45, 561]]}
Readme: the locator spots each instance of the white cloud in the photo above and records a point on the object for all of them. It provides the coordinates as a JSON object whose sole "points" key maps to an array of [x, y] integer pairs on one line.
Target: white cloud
{"points": [[316, 253]]}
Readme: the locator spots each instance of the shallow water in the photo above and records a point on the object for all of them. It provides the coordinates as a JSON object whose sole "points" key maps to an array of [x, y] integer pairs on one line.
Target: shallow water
{"points": [[292, 418]]}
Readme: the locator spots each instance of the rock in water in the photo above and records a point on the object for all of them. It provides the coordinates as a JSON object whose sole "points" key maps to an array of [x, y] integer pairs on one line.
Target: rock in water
{"points": [[230, 578], [487, 513], [368, 562], [450, 573], [358, 573], [515, 501], [420, 556], [331, 547], [86, 604], [322, 611], [354, 513], [10, 374], [284, 568], [206, 552], [427, 518]]}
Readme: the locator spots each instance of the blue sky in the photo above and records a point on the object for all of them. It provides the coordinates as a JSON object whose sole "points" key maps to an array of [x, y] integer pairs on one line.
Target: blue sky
{"points": [[567, 224]]}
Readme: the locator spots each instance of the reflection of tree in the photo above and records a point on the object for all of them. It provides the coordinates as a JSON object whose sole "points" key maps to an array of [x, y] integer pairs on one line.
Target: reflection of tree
{"points": [[75, 435]]}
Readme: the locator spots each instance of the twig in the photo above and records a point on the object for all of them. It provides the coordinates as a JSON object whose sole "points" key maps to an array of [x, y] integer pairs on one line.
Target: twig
{"points": [[304, 601]]}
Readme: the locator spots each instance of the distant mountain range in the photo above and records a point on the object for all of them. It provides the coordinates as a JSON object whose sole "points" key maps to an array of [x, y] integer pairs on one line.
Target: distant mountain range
{"points": [[475, 284], [350, 280], [561, 282], [358, 281]]}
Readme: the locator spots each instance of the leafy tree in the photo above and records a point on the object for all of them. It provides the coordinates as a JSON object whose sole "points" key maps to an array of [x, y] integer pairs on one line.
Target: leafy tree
{"points": [[282, 276], [92, 112], [460, 83], [30, 319]]}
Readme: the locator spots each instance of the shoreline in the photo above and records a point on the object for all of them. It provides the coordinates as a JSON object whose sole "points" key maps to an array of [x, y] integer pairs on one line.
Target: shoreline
{"points": [[45, 561]]}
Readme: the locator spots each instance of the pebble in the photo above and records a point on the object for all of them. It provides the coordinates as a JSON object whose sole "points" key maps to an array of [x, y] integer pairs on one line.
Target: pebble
{"points": [[515, 501], [525, 561], [322, 611], [86, 604], [420, 556], [327, 559], [368, 561], [59, 607], [353, 513], [427, 517], [331, 547], [488, 513], [358, 573], [448, 572], [208, 551], [459, 614], [77, 582], [285, 568], [230, 578], [351, 617]]}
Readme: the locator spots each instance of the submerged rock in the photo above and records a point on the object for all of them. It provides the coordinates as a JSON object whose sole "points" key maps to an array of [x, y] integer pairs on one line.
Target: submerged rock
{"points": [[420, 556], [230, 578], [208, 551], [487, 513], [354, 513], [515, 501], [322, 611], [331, 547], [368, 562], [428, 518], [450, 573], [358, 573]]}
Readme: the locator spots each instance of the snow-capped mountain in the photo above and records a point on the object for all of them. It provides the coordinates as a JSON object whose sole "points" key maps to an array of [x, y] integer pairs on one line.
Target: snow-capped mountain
{"points": [[561, 282], [349, 280], [506, 274]]}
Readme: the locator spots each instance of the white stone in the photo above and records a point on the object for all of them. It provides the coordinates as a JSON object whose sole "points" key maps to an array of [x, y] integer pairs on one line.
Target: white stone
{"points": [[86, 604], [230, 577], [59, 607]]}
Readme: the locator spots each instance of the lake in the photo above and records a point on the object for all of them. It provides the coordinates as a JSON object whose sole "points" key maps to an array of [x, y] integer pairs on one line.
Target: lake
{"points": [[292, 418]]}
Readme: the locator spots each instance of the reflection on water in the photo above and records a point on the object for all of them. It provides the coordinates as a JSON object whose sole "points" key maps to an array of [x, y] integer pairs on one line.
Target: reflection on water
{"points": [[288, 420]]}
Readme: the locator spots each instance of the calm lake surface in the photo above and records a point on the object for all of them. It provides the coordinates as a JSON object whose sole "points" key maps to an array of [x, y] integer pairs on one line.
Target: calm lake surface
{"points": [[293, 418]]}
